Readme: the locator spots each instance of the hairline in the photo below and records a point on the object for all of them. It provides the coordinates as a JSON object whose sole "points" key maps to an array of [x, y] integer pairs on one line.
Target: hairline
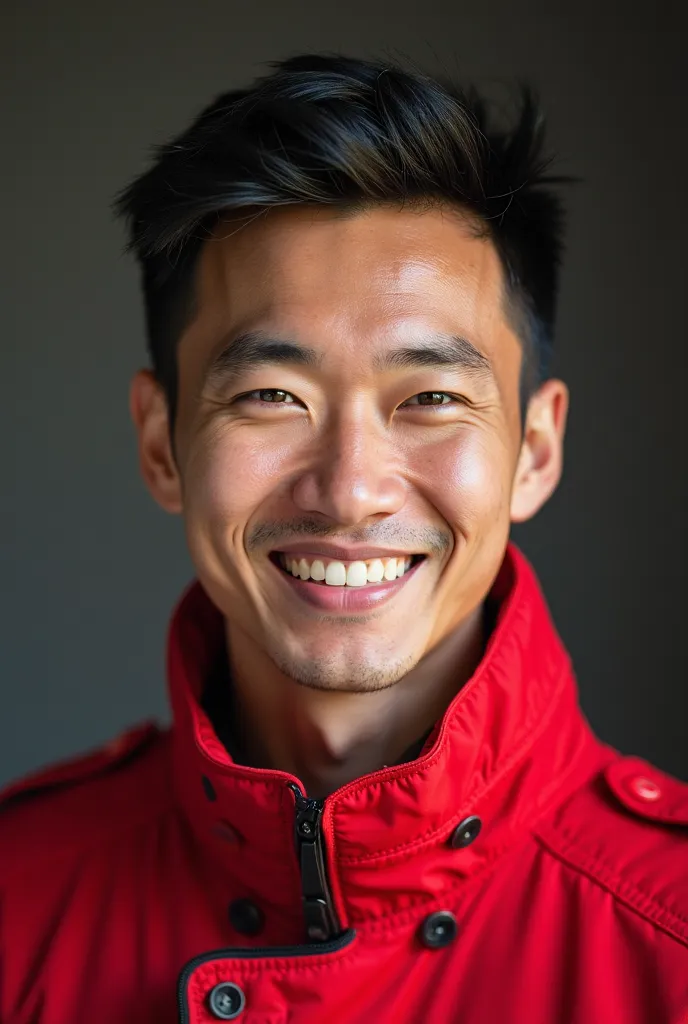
{"points": [[511, 302]]}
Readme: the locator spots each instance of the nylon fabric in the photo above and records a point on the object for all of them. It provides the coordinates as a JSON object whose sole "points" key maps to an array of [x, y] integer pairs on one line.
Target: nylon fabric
{"points": [[118, 869]]}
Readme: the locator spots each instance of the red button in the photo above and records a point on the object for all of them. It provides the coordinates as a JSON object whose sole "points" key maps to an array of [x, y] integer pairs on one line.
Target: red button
{"points": [[644, 788]]}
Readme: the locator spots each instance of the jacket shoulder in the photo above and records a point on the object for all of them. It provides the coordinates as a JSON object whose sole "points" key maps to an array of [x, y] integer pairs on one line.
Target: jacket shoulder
{"points": [[627, 829], [76, 798]]}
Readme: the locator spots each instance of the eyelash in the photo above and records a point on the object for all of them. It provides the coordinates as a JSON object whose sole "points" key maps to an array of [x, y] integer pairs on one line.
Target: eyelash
{"points": [[455, 399]]}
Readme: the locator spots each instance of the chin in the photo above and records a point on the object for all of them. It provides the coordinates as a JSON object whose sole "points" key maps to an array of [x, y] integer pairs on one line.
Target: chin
{"points": [[335, 674]]}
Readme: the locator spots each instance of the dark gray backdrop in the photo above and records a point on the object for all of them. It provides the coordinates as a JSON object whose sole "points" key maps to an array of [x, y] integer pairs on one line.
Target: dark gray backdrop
{"points": [[92, 567]]}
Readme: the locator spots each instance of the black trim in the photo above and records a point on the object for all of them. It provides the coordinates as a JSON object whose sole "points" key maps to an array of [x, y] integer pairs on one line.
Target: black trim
{"points": [[242, 953]]}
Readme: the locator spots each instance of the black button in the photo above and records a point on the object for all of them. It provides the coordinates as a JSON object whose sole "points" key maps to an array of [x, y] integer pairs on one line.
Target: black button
{"points": [[246, 917], [226, 1001], [439, 929], [208, 788], [466, 832]]}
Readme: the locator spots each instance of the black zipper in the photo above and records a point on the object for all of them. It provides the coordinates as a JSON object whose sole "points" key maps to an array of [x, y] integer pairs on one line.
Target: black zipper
{"points": [[323, 929], [320, 917]]}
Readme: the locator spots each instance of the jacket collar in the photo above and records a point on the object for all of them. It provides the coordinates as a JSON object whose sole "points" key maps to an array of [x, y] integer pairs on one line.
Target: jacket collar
{"points": [[511, 743]]}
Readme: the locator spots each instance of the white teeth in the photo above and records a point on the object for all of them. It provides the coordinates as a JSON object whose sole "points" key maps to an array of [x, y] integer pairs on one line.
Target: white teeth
{"points": [[335, 574], [391, 569], [318, 571], [304, 569], [357, 574], [376, 571]]}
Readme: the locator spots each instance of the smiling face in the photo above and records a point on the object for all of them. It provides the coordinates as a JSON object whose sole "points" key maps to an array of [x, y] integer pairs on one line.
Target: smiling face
{"points": [[349, 393]]}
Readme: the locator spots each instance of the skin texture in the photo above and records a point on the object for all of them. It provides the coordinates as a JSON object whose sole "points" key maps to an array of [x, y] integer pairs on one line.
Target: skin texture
{"points": [[350, 457]]}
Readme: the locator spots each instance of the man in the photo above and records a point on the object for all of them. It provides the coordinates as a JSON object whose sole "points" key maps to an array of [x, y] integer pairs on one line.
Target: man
{"points": [[379, 800]]}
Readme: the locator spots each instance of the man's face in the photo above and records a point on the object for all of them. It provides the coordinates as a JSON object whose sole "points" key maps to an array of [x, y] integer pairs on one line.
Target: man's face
{"points": [[395, 431]]}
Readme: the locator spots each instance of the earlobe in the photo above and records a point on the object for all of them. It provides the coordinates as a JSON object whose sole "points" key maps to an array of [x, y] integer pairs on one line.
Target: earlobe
{"points": [[149, 414], [540, 461]]}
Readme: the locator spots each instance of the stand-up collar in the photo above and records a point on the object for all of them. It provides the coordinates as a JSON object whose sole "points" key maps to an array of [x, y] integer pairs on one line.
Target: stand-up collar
{"points": [[511, 743]]}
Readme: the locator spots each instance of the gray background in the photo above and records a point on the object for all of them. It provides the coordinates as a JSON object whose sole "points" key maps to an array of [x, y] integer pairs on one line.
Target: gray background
{"points": [[91, 568]]}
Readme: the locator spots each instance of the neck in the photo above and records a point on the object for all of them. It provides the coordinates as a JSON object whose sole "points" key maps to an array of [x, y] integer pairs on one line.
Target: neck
{"points": [[328, 738]]}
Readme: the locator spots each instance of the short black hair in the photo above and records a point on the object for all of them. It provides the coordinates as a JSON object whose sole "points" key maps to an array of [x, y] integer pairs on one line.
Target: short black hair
{"points": [[337, 131]]}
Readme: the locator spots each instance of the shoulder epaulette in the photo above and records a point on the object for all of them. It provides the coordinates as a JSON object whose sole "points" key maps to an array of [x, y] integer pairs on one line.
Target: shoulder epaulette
{"points": [[647, 792], [76, 769], [628, 830]]}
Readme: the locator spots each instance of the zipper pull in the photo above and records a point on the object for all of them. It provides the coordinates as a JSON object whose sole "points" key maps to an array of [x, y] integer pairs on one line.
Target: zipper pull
{"points": [[318, 909]]}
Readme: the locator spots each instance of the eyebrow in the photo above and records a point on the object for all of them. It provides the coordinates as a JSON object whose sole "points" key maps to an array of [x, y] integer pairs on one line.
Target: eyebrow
{"points": [[449, 350], [256, 348]]}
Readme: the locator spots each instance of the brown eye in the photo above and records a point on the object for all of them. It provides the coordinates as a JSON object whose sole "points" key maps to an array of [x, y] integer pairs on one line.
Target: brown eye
{"points": [[273, 395], [265, 396], [430, 398]]}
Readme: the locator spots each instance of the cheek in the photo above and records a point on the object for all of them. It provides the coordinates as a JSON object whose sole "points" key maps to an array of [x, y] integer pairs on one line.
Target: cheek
{"points": [[467, 477], [227, 477]]}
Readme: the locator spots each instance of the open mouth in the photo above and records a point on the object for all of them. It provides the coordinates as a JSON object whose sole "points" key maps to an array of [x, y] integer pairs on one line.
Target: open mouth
{"points": [[330, 572]]}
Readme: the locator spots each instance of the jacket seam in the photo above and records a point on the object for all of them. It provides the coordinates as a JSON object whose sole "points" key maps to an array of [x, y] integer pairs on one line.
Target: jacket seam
{"points": [[632, 896], [572, 843], [531, 737], [429, 760], [472, 687], [458, 891], [451, 897]]}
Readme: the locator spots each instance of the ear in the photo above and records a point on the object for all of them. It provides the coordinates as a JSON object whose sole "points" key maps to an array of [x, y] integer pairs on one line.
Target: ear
{"points": [[540, 461], [150, 415]]}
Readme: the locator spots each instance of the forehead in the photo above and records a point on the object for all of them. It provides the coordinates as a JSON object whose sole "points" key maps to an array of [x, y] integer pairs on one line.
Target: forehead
{"points": [[352, 279]]}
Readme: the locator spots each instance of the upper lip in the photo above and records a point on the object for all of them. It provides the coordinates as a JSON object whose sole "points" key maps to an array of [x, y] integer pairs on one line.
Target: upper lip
{"points": [[341, 553]]}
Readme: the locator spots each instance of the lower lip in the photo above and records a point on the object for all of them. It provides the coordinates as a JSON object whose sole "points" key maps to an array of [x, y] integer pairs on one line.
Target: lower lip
{"points": [[346, 599]]}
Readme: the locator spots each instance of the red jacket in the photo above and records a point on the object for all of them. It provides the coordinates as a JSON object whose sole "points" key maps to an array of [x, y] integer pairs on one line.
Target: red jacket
{"points": [[517, 872]]}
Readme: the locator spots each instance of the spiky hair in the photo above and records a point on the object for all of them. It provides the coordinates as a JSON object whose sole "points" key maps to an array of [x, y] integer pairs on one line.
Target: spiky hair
{"points": [[330, 130]]}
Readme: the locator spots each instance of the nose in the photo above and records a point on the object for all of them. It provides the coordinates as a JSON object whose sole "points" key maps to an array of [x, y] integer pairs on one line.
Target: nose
{"points": [[352, 476]]}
